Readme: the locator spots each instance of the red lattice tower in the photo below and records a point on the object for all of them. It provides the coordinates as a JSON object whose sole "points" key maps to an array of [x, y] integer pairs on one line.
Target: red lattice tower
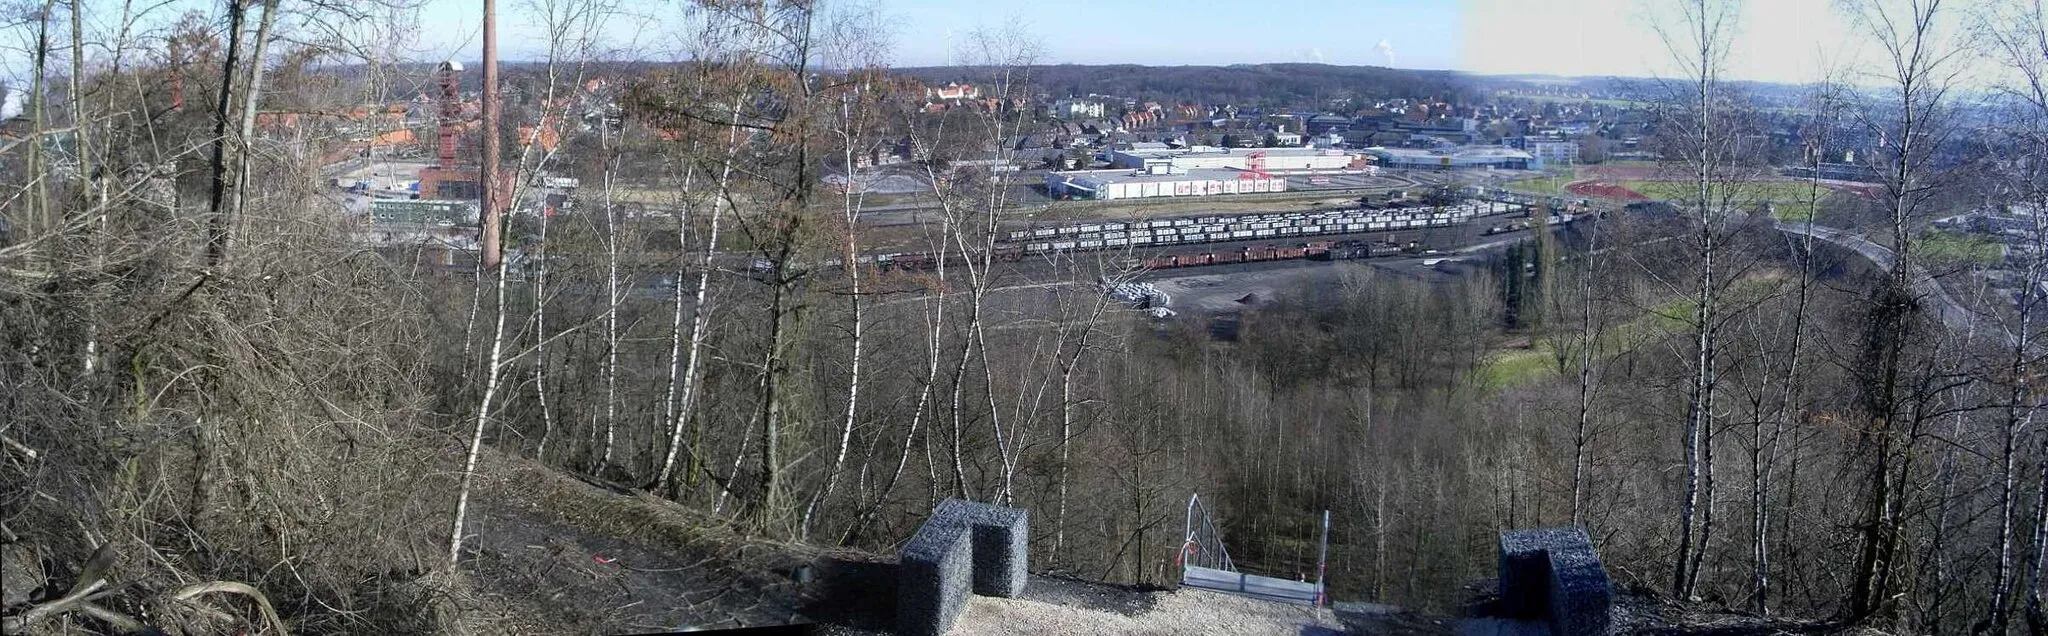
{"points": [[1255, 166], [451, 110]]}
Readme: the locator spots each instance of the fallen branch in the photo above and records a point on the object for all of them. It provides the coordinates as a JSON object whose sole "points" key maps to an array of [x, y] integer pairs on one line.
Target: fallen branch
{"points": [[231, 587], [20, 622], [122, 623]]}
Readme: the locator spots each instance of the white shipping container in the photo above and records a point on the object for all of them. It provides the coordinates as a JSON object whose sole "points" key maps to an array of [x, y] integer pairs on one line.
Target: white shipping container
{"points": [[1088, 244], [1262, 232], [1063, 245]]}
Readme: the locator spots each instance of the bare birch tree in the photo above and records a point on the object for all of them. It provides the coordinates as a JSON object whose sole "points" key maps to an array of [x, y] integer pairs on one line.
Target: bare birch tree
{"points": [[1703, 147], [2019, 36], [1920, 67]]}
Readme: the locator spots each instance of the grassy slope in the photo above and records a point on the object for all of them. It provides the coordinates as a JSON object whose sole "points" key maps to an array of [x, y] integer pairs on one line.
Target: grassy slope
{"points": [[1513, 367]]}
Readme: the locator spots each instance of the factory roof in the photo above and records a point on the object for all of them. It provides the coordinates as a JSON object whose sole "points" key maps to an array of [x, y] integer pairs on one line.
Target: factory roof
{"points": [[1239, 152], [1135, 176], [1465, 152]]}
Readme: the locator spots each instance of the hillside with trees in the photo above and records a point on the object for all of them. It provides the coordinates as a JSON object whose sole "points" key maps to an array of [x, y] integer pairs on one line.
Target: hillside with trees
{"points": [[225, 408]]}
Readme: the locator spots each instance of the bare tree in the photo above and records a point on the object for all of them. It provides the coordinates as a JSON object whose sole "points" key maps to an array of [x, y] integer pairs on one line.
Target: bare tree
{"points": [[1704, 147], [1920, 68], [2019, 34], [853, 43], [700, 316]]}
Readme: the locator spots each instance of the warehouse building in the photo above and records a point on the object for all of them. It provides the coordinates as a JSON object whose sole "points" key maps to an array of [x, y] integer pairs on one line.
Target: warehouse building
{"points": [[1461, 158], [1211, 157], [1161, 182]]}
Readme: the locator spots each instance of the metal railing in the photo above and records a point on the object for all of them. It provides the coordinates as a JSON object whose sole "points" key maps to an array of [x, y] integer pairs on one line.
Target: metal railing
{"points": [[1204, 545], [1203, 559]]}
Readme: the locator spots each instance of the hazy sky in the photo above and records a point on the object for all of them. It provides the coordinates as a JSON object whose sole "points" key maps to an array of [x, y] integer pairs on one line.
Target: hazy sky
{"points": [[1777, 40]]}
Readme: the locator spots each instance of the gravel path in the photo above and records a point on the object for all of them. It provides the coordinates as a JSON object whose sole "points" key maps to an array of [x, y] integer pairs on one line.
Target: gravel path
{"points": [[1185, 611]]}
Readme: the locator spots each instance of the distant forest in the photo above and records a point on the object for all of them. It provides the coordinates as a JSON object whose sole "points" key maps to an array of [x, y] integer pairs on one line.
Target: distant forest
{"points": [[1243, 84]]}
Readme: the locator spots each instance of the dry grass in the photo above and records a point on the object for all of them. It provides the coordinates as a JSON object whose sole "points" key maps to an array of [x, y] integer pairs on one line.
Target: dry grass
{"points": [[586, 556]]}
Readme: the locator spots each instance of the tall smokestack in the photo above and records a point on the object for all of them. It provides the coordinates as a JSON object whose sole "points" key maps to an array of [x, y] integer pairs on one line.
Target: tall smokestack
{"points": [[493, 197], [177, 74]]}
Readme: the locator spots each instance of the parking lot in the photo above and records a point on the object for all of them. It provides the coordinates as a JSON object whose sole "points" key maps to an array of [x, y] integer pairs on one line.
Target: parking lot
{"points": [[1348, 182]]}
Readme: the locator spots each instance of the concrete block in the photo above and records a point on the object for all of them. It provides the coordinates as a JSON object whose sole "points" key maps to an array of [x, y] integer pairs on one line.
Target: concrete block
{"points": [[935, 573], [1580, 594], [964, 547], [1001, 550], [1554, 575]]}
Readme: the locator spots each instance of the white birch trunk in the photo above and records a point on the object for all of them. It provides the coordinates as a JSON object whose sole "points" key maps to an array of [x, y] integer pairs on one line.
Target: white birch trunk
{"points": [[483, 418], [700, 320]]}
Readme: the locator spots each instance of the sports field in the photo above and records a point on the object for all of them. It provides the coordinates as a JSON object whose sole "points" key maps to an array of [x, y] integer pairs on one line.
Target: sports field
{"points": [[1788, 199]]}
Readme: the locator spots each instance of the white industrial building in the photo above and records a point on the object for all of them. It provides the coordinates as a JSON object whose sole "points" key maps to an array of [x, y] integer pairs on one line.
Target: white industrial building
{"points": [[1210, 158], [1161, 182]]}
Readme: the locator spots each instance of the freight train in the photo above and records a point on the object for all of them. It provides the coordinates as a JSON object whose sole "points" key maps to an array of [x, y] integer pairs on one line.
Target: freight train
{"points": [[1311, 250], [1271, 225], [1166, 233]]}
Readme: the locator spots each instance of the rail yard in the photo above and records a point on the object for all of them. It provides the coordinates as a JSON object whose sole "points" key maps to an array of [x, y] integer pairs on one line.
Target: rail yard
{"points": [[1363, 232]]}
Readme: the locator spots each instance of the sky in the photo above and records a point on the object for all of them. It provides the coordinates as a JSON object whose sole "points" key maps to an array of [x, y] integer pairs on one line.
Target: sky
{"points": [[1775, 40]]}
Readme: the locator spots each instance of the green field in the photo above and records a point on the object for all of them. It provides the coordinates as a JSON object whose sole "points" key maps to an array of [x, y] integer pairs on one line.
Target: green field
{"points": [[1788, 198], [1519, 366], [1553, 182], [1954, 247], [1547, 185]]}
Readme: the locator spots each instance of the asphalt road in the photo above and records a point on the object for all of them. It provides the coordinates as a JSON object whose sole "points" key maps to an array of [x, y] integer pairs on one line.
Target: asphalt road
{"points": [[1952, 314]]}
